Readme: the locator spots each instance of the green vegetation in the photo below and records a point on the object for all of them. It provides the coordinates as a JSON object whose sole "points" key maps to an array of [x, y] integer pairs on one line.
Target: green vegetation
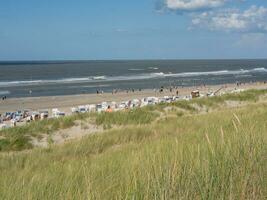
{"points": [[219, 155], [186, 105], [249, 95], [19, 138], [182, 155], [135, 116]]}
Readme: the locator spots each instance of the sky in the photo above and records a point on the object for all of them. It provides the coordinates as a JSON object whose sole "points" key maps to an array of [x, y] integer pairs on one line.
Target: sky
{"points": [[132, 29]]}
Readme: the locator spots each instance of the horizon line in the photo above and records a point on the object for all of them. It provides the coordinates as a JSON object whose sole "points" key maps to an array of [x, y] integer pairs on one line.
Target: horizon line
{"points": [[149, 59]]}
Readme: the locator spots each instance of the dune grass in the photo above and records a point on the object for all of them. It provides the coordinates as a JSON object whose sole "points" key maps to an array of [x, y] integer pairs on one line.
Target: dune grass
{"points": [[249, 96], [219, 155], [129, 117], [19, 138]]}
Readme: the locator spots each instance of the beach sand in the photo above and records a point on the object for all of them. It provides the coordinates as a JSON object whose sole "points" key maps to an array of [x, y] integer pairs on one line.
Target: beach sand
{"points": [[64, 103]]}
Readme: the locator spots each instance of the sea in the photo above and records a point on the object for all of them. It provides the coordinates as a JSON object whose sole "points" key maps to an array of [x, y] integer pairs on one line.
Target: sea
{"points": [[53, 78]]}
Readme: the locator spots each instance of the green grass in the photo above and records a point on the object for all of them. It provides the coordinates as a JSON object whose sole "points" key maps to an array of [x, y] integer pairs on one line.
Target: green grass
{"points": [[19, 138], [249, 95], [220, 155], [129, 117], [186, 105]]}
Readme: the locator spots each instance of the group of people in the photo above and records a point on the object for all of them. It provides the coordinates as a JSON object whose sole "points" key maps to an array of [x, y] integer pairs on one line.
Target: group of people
{"points": [[160, 90], [171, 89], [4, 98], [115, 91]]}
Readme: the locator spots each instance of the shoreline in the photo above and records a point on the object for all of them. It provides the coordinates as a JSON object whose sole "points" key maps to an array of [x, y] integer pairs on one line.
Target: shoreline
{"points": [[65, 102]]}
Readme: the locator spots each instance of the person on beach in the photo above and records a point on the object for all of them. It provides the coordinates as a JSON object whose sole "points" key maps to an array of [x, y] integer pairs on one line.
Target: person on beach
{"points": [[109, 110], [129, 104], [14, 123], [161, 89]]}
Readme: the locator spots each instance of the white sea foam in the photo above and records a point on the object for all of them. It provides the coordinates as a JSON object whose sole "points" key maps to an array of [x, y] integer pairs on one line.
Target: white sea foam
{"points": [[260, 69], [140, 76], [5, 92], [154, 68], [99, 78], [159, 74], [41, 82]]}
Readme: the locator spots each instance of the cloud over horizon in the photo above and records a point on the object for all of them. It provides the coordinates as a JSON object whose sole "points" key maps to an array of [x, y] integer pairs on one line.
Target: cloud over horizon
{"points": [[192, 5], [253, 19], [215, 15]]}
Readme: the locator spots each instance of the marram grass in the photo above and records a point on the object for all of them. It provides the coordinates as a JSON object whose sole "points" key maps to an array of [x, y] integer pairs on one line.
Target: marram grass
{"points": [[19, 138], [219, 155]]}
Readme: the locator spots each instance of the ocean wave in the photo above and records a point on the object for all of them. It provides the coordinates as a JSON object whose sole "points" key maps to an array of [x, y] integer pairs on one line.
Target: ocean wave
{"points": [[217, 73], [136, 69], [41, 82], [154, 68], [5, 92], [260, 69], [99, 79]]}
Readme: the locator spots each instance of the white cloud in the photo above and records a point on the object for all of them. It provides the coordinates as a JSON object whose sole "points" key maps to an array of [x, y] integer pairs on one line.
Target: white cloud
{"points": [[252, 19], [191, 5]]}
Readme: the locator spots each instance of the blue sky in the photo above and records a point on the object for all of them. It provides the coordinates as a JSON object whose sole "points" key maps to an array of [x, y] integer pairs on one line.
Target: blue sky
{"points": [[127, 29]]}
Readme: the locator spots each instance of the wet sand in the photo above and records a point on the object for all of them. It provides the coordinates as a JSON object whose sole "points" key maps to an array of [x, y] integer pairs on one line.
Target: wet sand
{"points": [[64, 103]]}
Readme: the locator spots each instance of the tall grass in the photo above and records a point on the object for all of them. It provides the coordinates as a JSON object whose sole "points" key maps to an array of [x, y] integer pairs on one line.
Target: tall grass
{"points": [[135, 116], [220, 155], [18, 138], [249, 96]]}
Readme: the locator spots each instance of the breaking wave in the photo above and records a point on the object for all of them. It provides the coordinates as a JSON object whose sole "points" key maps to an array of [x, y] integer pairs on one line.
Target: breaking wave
{"points": [[136, 69], [5, 92], [140, 76]]}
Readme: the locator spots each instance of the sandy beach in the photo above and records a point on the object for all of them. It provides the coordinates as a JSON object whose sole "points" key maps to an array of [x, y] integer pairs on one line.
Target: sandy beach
{"points": [[64, 103]]}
